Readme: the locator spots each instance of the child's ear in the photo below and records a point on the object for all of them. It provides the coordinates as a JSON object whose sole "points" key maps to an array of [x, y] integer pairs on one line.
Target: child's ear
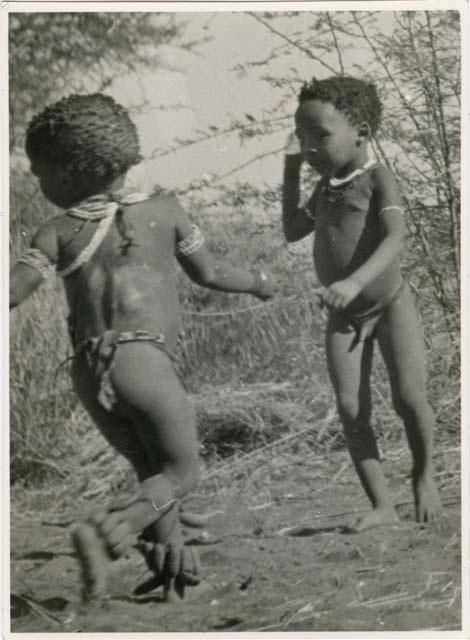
{"points": [[364, 131]]}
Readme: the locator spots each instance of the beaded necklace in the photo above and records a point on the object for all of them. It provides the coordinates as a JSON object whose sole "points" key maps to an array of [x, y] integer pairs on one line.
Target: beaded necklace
{"points": [[101, 208], [335, 189]]}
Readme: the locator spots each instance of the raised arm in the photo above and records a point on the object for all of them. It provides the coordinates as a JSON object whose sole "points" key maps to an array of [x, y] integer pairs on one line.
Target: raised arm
{"points": [[32, 267], [296, 223], [202, 268]]}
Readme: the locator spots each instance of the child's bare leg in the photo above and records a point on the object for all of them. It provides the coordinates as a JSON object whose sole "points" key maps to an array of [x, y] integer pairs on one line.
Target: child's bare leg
{"points": [[151, 395], [402, 345], [153, 428], [90, 547], [349, 371]]}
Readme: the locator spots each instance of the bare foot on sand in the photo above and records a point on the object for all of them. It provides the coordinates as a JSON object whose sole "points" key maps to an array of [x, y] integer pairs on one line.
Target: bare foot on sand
{"points": [[427, 501], [376, 518]]}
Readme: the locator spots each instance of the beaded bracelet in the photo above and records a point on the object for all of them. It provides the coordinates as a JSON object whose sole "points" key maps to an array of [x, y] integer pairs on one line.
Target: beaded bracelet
{"points": [[191, 243]]}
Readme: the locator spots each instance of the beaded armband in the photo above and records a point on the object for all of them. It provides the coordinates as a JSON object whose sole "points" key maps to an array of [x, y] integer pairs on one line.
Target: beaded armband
{"points": [[37, 260], [392, 207], [191, 243]]}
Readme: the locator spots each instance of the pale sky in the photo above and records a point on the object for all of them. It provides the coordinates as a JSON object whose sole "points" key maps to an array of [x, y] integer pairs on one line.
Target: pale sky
{"points": [[210, 91]]}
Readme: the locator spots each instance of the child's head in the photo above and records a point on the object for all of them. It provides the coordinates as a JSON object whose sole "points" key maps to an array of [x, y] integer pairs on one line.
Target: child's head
{"points": [[335, 119], [80, 145]]}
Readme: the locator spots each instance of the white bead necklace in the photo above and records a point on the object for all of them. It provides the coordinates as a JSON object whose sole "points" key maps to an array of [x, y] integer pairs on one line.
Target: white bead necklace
{"points": [[337, 182]]}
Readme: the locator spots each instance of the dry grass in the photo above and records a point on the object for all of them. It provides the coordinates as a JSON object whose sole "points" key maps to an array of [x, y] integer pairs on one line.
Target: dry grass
{"points": [[256, 374]]}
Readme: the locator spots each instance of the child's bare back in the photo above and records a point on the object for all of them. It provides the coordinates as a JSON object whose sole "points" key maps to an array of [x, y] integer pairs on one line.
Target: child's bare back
{"points": [[126, 288]]}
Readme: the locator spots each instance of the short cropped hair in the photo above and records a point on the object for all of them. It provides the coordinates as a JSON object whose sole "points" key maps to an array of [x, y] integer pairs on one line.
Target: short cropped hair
{"points": [[91, 135], [357, 99]]}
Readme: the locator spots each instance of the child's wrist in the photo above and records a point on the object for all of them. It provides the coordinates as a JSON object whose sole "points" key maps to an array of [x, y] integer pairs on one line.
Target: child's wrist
{"points": [[292, 168], [293, 161], [357, 281]]}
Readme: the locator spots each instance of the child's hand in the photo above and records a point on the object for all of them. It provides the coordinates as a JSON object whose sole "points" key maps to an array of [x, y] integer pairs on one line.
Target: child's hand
{"points": [[292, 145], [341, 293], [264, 287]]}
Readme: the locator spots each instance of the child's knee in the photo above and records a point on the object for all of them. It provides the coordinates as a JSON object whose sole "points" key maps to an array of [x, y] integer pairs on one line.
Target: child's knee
{"points": [[348, 407], [411, 403]]}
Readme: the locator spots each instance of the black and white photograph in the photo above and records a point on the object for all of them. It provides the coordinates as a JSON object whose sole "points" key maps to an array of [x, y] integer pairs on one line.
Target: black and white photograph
{"points": [[233, 349]]}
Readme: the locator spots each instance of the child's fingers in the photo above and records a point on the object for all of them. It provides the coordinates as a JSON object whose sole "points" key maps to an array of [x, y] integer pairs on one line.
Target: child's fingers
{"points": [[118, 534], [169, 591], [265, 286], [121, 547], [149, 585], [98, 516], [197, 568], [158, 559], [172, 560], [320, 296], [333, 299], [191, 565], [364, 332], [123, 502], [110, 523], [180, 585]]}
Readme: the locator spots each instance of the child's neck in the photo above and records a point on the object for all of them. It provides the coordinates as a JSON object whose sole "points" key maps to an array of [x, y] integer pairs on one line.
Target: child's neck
{"points": [[104, 189], [356, 163]]}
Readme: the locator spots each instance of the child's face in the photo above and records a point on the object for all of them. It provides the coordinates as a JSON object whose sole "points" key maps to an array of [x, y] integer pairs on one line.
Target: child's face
{"points": [[328, 140]]}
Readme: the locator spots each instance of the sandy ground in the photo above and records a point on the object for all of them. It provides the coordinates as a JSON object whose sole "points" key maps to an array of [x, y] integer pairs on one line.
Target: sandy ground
{"points": [[285, 564]]}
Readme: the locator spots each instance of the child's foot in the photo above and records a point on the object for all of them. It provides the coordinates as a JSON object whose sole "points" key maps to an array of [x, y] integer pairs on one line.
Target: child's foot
{"points": [[376, 518], [427, 501], [93, 559]]}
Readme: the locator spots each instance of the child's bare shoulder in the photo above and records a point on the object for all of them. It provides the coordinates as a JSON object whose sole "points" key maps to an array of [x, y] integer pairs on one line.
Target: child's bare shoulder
{"points": [[165, 207], [382, 177], [47, 237], [385, 188]]}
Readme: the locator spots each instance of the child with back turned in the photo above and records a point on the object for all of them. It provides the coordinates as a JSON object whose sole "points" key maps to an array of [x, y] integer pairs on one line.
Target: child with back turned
{"points": [[115, 251], [357, 216]]}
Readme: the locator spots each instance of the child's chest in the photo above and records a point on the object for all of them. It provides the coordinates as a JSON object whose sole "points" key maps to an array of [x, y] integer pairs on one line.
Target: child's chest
{"points": [[346, 216]]}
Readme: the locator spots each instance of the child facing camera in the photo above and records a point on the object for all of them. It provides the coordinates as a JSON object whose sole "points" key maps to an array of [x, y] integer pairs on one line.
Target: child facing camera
{"points": [[357, 215]]}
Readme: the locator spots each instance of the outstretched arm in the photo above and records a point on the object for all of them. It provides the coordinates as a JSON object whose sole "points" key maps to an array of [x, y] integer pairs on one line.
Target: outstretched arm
{"points": [[390, 211], [31, 268], [202, 268], [295, 221]]}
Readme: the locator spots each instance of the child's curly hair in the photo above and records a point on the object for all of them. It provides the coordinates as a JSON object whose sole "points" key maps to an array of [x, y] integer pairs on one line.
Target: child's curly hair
{"points": [[91, 135], [357, 99]]}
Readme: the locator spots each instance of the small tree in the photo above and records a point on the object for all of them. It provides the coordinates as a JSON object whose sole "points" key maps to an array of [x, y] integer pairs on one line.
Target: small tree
{"points": [[52, 54], [414, 58]]}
